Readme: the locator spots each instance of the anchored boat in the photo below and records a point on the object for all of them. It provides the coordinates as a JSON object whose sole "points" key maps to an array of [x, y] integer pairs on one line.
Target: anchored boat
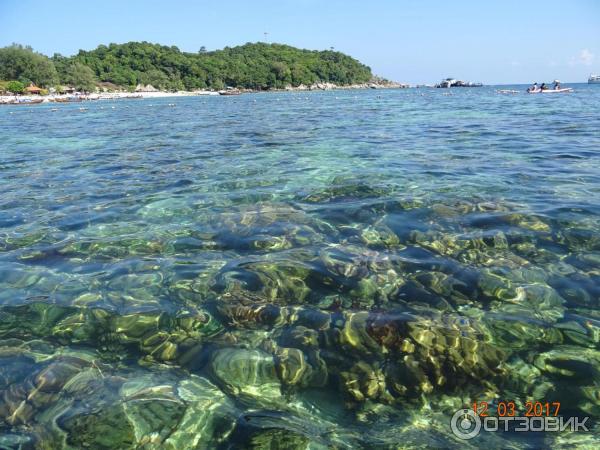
{"points": [[451, 82], [230, 91], [551, 91], [33, 101], [594, 79]]}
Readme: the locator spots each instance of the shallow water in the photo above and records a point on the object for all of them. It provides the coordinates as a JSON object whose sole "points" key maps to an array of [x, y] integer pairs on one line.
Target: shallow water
{"points": [[302, 270]]}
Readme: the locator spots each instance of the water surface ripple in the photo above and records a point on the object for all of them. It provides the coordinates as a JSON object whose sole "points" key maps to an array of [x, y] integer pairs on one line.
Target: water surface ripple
{"points": [[298, 270]]}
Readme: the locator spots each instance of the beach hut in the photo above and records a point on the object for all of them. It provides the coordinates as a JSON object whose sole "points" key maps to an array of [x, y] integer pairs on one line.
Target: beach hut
{"points": [[66, 90], [31, 89]]}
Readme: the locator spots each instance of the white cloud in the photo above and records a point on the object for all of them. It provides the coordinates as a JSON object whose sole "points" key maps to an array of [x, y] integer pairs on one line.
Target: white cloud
{"points": [[585, 57]]}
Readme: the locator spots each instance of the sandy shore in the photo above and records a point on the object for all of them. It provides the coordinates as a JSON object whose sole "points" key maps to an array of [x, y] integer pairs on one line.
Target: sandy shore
{"points": [[159, 94], [61, 98], [26, 99]]}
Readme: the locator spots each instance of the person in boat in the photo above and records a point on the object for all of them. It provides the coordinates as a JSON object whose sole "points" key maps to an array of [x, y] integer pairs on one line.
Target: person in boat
{"points": [[556, 84], [533, 88], [543, 87]]}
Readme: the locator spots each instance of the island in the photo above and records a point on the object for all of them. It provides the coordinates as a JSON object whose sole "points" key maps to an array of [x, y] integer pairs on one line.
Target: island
{"points": [[144, 67]]}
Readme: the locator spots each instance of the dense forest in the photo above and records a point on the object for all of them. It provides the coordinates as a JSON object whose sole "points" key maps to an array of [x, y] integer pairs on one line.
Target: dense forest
{"points": [[253, 65]]}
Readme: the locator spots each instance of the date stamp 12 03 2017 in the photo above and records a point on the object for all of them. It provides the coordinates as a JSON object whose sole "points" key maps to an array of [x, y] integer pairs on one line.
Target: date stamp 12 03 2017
{"points": [[530, 416]]}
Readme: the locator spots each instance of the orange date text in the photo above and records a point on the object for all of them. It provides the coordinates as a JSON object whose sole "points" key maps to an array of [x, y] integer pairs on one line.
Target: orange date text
{"points": [[510, 409]]}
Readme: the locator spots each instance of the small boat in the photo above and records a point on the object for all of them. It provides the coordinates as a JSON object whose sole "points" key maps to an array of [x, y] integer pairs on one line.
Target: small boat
{"points": [[68, 99], [28, 102], [550, 91], [230, 92]]}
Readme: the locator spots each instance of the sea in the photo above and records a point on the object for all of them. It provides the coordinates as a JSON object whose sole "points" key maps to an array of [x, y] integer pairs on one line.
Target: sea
{"points": [[302, 270]]}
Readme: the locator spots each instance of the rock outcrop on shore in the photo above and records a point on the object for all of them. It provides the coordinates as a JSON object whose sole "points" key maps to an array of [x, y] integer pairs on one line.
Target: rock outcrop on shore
{"points": [[146, 88], [375, 84]]}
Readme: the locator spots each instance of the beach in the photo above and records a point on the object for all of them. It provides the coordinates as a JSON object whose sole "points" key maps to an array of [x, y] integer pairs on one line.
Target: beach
{"points": [[58, 98]]}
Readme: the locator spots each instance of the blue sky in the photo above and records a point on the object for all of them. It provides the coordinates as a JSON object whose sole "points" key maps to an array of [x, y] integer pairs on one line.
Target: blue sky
{"points": [[411, 41]]}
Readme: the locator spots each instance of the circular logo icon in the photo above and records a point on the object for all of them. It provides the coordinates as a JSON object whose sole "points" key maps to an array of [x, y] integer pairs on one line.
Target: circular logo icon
{"points": [[465, 424]]}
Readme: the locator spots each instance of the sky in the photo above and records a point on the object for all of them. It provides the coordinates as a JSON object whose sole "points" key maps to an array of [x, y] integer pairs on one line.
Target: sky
{"points": [[494, 42]]}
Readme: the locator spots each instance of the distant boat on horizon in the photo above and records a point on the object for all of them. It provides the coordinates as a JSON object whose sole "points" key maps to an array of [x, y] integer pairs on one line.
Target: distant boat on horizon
{"points": [[594, 79], [451, 82]]}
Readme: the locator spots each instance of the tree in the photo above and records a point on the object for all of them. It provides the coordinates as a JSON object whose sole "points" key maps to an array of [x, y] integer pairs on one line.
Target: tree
{"points": [[202, 49], [62, 65], [81, 77], [22, 63], [154, 77], [282, 72], [253, 65], [16, 87]]}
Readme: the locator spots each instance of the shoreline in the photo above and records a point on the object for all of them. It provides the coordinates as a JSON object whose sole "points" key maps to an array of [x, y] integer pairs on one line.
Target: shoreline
{"points": [[73, 98]]}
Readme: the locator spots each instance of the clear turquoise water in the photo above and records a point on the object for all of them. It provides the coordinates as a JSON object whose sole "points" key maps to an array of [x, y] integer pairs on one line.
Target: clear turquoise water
{"points": [[298, 270]]}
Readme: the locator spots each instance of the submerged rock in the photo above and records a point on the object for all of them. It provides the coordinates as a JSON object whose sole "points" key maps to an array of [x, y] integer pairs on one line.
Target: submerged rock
{"points": [[155, 335], [281, 282], [345, 189], [74, 401], [246, 373], [269, 430]]}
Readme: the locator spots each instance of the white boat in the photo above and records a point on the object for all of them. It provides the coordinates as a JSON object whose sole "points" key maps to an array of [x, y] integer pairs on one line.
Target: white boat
{"points": [[594, 79], [448, 82], [550, 91], [452, 82]]}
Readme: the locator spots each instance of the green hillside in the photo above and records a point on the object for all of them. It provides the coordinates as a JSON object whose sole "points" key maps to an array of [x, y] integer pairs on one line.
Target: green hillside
{"points": [[253, 65]]}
